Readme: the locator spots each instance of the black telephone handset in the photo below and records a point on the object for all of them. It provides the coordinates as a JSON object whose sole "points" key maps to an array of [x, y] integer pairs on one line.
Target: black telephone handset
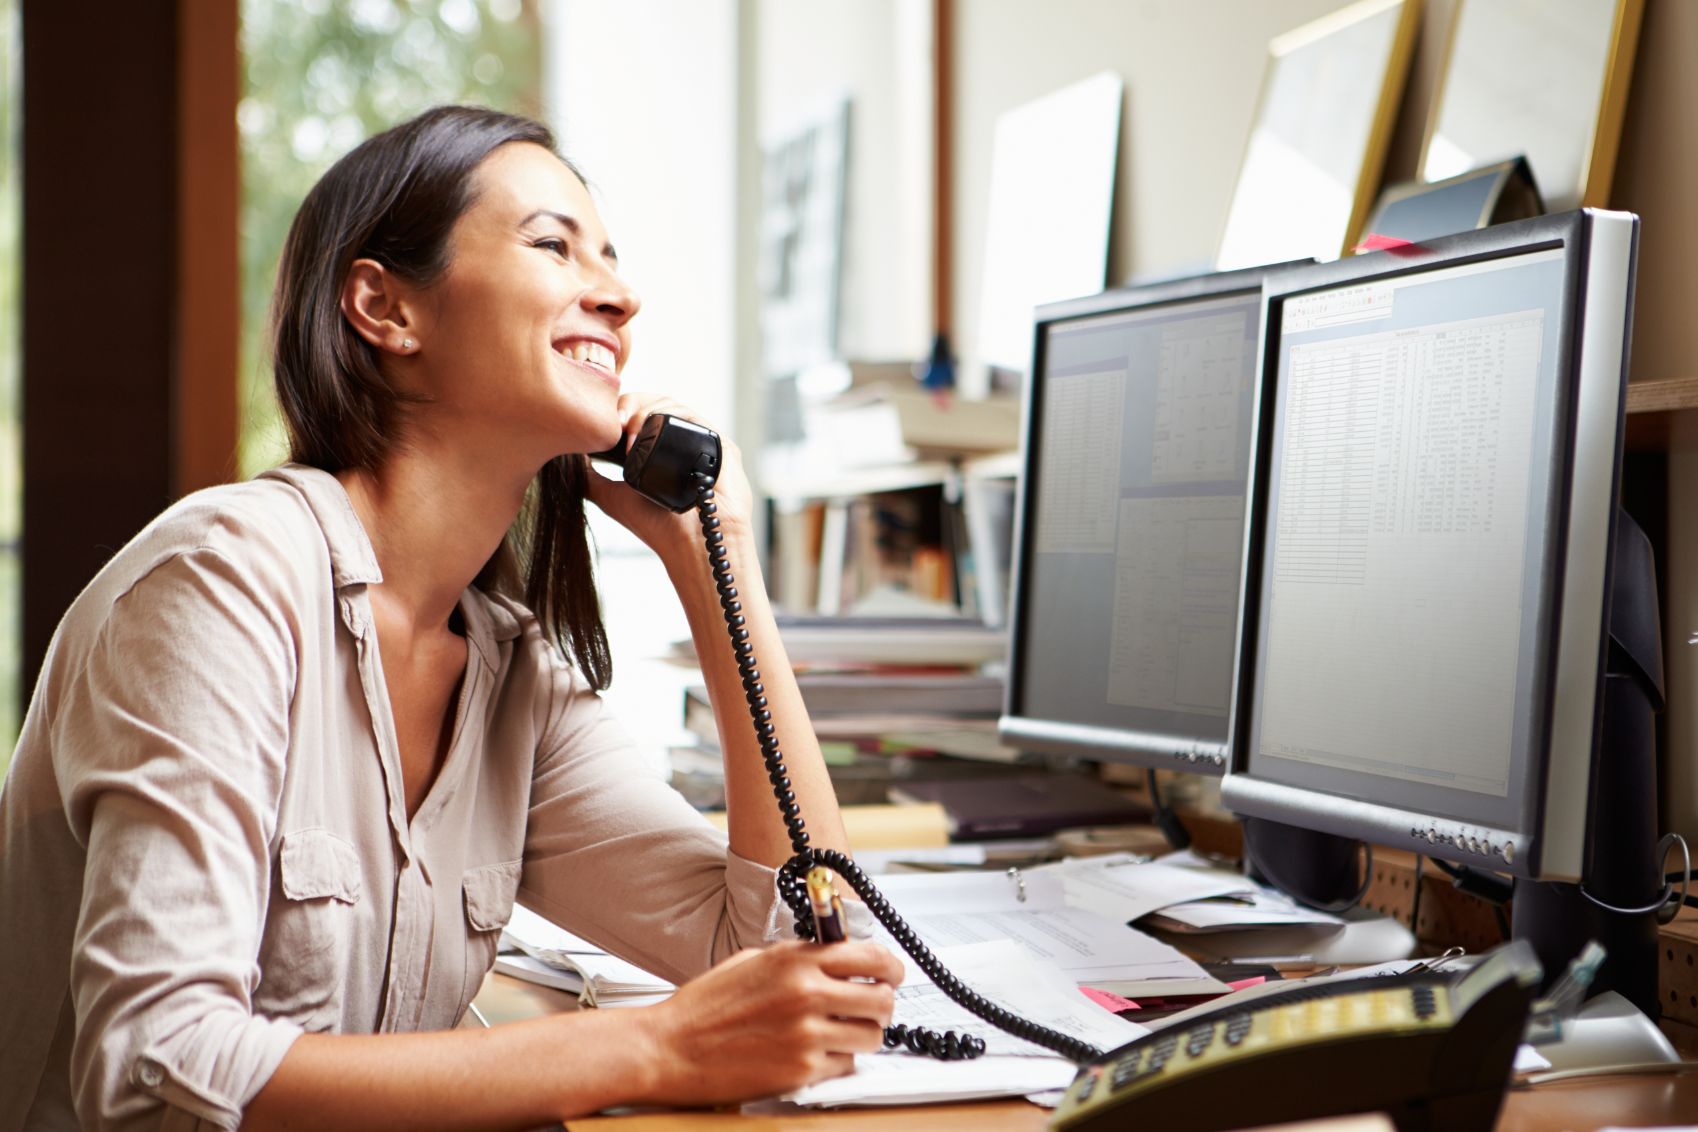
{"points": [[675, 462], [1432, 1052], [665, 459]]}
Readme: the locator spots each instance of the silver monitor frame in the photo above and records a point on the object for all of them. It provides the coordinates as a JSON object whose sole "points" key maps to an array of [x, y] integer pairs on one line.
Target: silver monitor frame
{"points": [[1144, 748], [1550, 842]]}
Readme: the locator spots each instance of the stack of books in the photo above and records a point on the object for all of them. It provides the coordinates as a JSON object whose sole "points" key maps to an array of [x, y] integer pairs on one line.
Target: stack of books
{"points": [[890, 699], [883, 711]]}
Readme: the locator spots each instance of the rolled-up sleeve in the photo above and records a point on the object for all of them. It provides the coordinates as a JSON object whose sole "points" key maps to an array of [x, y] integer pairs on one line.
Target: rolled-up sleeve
{"points": [[613, 852], [169, 748]]}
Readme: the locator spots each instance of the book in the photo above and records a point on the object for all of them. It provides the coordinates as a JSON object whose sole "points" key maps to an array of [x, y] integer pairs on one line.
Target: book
{"points": [[1023, 805], [599, 978], [895, 422], [884, 825], [889, 693], [844, 738], [522, 966], [891, 641]]}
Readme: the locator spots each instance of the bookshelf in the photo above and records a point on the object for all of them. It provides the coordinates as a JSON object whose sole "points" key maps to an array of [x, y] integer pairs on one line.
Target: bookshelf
{"points": [[1669, 395], [1654, 407], [925, 535]]}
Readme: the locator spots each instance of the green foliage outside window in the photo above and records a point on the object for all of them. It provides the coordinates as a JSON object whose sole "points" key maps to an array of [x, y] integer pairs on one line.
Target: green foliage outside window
{"points": [[322, 75]]}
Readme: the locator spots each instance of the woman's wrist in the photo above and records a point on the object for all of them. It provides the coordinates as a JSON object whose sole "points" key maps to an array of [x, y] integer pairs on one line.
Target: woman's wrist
{"points": [[638, 1057], [686, 559], [654, 1056]]}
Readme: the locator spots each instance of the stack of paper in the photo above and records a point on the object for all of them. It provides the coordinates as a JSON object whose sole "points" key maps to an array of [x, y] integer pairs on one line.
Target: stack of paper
{"points": [[1007, 974], [1256, 908], [552, 956], [1179, 896], [1222, 913], [1032, 909]]}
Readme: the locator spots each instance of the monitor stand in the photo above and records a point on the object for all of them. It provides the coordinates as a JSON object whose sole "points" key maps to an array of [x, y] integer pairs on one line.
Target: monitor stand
{"points": [[1621, 861], [1317, 869], [1323, 871], [1608, 1031]]}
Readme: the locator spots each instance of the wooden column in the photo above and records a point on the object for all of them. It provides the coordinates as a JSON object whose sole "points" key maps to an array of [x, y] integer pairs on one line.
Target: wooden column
{"points": [[209, 292], [129, 281]]}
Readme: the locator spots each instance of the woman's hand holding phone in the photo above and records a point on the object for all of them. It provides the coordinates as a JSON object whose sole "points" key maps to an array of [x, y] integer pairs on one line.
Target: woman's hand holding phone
{"points": [[666, 533]]}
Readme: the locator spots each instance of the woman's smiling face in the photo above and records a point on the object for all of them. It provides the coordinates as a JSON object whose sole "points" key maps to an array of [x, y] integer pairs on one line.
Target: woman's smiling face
{"points": [[523, 337]]}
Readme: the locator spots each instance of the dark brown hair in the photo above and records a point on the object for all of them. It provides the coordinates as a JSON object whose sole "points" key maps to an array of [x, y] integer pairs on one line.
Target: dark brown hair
{"points": [[395, 199]]}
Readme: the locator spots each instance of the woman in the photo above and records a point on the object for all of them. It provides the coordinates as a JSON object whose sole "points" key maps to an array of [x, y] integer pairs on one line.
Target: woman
{"points": [[301, 744]]}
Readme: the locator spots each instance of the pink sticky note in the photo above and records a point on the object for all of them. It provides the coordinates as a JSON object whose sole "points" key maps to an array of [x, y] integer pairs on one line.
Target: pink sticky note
{"points": [[1109, 1000], [1253, 981], [1374, 242]]}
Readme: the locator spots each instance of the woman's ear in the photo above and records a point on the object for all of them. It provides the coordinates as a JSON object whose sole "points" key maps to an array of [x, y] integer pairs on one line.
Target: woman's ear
{"points": [[377, 305]]}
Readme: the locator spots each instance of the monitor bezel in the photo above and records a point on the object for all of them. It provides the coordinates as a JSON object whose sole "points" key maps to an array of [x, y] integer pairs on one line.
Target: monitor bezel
{"points": [[1585, 465], [1154, 749]]}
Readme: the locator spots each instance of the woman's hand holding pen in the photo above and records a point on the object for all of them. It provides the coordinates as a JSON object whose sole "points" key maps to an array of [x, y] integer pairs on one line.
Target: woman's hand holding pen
{"points": [[768, 1021]]}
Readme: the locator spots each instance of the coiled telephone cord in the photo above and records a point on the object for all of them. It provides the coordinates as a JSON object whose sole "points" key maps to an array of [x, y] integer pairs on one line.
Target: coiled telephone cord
{"points": [[792, 884]]}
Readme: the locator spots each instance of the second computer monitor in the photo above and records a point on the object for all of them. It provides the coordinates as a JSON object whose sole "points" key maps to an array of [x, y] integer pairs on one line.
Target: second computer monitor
{"points": [[1129, 528], [1430, 535]]}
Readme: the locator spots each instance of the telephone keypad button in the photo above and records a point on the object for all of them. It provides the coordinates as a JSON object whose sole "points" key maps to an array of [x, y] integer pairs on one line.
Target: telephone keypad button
{"points": [[1199, 1040], [1127, 1070], [1237, 1028], [1425, 1003]]}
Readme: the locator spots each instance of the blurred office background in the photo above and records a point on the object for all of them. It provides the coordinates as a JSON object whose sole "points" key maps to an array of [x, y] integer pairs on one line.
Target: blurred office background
{"points": [[152, 155]]}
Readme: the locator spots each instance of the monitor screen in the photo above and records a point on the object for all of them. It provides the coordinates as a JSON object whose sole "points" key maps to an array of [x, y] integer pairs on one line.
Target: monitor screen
{"points": [[1132, 522], [1431, 528]]}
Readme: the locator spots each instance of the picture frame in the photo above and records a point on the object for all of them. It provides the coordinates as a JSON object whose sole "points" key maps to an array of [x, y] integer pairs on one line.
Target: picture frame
{"points": [[1544, 78], [804, 185], [1312, 163], [1415, 211]]}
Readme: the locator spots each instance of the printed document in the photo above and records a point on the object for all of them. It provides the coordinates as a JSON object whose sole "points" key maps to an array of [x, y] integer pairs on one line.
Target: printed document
{"points": [[951, 909], [1008, 975]]}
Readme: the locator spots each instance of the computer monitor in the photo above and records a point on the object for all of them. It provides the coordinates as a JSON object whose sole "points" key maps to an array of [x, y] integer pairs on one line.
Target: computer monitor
{"points": [[1130, 522], [1428, 555]]}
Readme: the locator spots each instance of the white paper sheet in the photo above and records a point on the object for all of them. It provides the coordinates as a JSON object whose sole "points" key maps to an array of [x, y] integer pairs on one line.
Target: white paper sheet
{"points": [[901, 1079], [1263, 908], [1006, 974], [948, 911], [1121, 888], [531, 933]]}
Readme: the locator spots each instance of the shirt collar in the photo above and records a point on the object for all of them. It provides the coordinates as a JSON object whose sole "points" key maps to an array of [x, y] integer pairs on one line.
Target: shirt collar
{"points": [[352, 559], [488, 620]]}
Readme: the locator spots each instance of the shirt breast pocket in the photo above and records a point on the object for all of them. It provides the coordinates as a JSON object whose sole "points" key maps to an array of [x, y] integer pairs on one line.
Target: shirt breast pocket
{"points": [[489, 892], [310, 930]]}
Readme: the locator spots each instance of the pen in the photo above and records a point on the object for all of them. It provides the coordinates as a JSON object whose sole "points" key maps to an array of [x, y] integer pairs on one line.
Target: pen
{"points": [[829, 923]]}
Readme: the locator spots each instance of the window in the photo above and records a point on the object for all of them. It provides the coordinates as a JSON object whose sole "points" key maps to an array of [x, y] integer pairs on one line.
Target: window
{"points": [[319, 77]]}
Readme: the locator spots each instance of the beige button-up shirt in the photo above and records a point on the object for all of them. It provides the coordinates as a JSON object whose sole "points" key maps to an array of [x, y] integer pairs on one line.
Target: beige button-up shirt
{"points": [[204, 847]]}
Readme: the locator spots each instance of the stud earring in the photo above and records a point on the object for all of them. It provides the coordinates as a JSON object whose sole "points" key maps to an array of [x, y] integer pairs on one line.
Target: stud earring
{"points": [[406, 343]]}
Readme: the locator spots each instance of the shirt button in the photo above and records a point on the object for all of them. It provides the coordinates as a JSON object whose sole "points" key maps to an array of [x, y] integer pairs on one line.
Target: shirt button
{"points": [[151, 1073]]}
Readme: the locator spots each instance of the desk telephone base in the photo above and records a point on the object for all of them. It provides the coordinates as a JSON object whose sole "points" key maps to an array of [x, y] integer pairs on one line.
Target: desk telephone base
{"points": [[1434, 1053]]}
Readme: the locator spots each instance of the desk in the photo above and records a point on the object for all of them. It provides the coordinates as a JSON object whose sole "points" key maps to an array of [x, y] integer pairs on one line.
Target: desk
{"points": [[1562, 1106]]}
